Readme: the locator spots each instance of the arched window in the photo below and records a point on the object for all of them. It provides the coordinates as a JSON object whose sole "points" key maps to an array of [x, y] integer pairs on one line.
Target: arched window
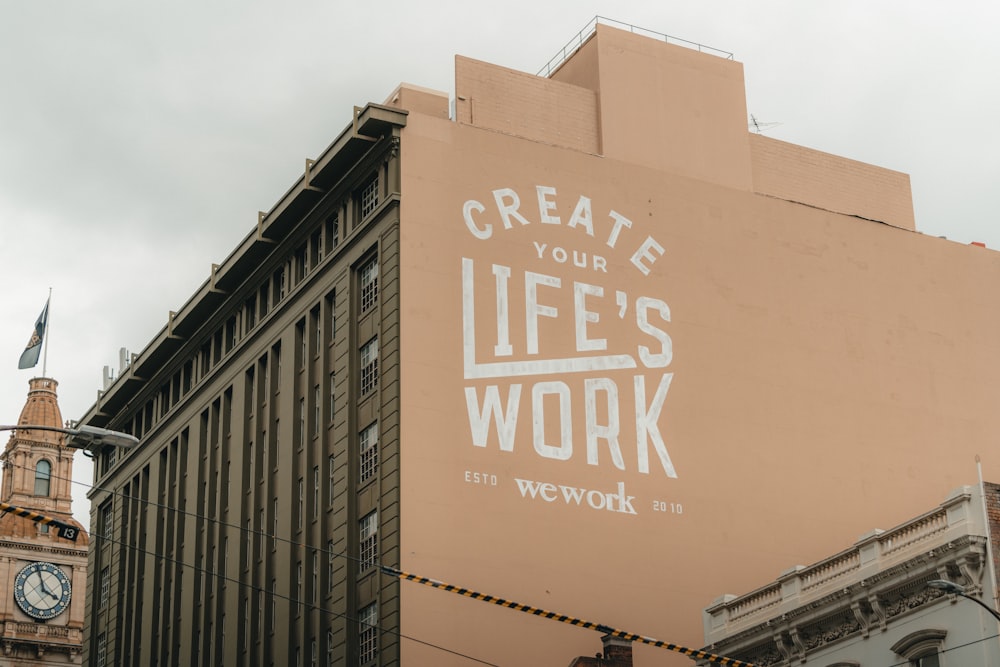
{"points": [[43, 473], [921, 648]]}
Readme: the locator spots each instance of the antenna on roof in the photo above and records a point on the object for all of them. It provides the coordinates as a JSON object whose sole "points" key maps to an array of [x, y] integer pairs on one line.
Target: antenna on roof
{"points": [[758, 126]]}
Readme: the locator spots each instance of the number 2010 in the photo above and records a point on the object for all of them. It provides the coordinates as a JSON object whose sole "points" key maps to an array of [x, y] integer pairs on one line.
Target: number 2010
{"points": [[664, 506]]}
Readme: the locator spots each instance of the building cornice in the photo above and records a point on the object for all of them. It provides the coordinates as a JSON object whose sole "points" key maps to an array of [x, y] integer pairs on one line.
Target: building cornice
{"points": [[859, 607]]}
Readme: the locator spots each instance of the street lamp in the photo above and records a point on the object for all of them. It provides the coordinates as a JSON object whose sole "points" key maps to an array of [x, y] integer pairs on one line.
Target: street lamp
{"points": [[956, 589], [83, 437]]}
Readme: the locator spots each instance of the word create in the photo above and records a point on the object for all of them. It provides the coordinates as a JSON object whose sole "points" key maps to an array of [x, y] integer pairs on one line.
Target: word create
{"points": [[508, 210]]}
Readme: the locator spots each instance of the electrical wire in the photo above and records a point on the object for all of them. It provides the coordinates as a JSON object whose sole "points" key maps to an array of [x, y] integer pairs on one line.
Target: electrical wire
{"points": [[250, 586], [289, 599], [390, 571]]}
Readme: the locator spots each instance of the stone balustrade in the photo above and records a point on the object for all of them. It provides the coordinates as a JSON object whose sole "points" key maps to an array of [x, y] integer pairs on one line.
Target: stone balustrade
{"points": [[877, 551]]}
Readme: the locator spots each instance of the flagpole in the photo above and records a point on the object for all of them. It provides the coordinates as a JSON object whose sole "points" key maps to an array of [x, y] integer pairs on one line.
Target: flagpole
{"points": [[48, 318]]}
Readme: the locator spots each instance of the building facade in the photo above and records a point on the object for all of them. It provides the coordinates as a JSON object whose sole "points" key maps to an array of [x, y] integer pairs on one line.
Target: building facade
{"points": [[43, 576], [582, 332], [274, 394], [871, 605]]}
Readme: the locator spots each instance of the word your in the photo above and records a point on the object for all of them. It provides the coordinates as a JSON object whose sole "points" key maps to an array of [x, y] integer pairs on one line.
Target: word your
{"points": [[571, 495], [508, 205], [504, 415]]}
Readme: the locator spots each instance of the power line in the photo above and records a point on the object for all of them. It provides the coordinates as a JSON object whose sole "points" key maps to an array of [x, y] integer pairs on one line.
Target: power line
{"points": [[400, 574], [289, 599], [252, 587], [563, 618], [949, 650]]}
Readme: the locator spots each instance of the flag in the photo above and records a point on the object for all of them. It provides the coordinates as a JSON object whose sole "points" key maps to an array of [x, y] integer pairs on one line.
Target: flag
{"points": [[29, 358]]}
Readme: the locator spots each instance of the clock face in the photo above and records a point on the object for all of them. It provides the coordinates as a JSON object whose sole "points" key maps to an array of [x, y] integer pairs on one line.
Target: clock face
{"points": [[42, 590]]}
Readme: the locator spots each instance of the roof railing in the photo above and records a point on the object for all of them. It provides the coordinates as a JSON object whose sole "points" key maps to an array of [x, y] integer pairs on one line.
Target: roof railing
{"points": [[574, 44]]}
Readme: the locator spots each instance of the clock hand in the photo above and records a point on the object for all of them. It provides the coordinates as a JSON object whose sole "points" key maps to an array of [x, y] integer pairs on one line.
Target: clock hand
{"points": [[45, 589]]}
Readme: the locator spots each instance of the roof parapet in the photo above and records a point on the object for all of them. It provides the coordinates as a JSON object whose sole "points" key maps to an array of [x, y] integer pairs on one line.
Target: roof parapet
{"points": [[581, 37]]}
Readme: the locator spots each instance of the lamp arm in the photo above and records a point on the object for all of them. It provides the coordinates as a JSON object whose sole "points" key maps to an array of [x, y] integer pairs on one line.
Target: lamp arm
{"points": [[982, 604]]}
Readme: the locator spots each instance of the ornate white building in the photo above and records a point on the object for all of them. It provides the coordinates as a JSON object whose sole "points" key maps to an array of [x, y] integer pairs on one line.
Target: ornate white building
{"points": [[43, 577], [870, 605]]}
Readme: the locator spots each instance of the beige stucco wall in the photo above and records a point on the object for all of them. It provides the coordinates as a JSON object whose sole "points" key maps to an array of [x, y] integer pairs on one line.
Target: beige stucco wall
{"points": [[812, 373], [812, 177], [513, 102]]}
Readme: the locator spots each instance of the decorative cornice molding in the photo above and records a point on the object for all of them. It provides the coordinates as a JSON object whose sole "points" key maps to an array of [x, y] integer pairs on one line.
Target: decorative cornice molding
{"points": [[858, 607]]}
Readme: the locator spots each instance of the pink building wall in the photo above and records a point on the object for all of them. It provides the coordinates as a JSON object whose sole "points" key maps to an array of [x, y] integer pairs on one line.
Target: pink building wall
{"points": [[747, 368]]}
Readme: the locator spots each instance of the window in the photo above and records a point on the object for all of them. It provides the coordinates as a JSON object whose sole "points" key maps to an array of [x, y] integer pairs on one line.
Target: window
{"points": [[369, 197], [368, 276], [314, 592], [43, 476], [274, 529], [263, 298], [329, 484], [333, 392], [368, 537], [300, 334], [331, 304], [107, 520], [369, 366], [316, 248], [246, 624], [302, 422], [316, 411], [921, 648], [302, 501], [298, 584], [368, 446], [332, 232], [260, 544], [329, 566], [260, 612], [102, 650], [105, 587], [300, 263], [108, 458], [315, 512], [250, 313], [279, 285], [368, 633], [317, 331], [230, 334], [329, 648], [274, 594]]}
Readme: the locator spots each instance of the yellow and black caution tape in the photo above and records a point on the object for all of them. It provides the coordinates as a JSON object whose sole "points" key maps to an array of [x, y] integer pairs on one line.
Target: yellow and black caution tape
{"points": [[562, 618], [69, 531]]}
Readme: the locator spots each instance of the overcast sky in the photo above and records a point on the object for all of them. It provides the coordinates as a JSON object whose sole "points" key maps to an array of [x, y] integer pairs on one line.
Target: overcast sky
{"points": [[137, 143]]}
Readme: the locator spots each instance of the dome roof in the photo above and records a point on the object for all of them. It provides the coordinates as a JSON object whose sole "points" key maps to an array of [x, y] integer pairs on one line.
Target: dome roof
{"points": [[42, 409]]}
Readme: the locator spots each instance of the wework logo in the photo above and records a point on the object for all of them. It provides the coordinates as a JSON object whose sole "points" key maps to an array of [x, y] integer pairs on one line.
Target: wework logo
{"points": [[572, 495]]}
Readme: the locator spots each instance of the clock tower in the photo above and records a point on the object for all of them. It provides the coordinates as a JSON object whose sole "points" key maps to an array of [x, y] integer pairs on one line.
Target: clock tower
{"points": [[43, 577]]}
